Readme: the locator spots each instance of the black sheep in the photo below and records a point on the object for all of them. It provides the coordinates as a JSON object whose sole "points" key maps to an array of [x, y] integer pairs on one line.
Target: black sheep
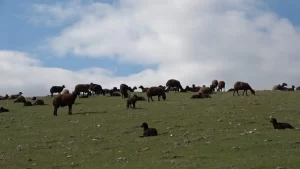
{"points": [[123, 89], [148, 131], [56, 89], [2, 110], [277, 125], [27, 103], [131, 102]]}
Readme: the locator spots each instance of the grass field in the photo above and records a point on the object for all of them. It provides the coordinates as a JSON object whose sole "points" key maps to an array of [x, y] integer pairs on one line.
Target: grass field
{"points": [[223, 132]]}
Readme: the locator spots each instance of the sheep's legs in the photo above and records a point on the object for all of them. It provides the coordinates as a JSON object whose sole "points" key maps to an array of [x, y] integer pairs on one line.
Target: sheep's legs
{"points": [[133, 105], [158, 98], [55, 111], [70, 110]]}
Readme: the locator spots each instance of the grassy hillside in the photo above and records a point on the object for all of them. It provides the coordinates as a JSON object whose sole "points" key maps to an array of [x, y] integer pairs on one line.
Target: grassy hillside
{"points": [[219, 133]]}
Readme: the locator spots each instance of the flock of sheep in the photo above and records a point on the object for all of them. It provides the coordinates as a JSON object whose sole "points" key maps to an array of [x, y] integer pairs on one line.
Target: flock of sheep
{"points": [[67, 98]]}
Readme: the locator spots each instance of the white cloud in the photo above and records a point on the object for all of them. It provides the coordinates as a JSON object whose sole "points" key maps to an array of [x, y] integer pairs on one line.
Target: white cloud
{"points": [[193, 41]]}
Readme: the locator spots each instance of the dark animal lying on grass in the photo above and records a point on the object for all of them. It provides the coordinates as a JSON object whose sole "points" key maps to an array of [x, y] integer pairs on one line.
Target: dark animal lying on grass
{"points": [[148, 131], [112, 93], [277, 125], [27, 103], [200, 96], [156, 91], [63, 100], [33, 98], [230, 90], [131, 102], [4, 97], [39, 102], [56, 89], [2, 110], [139, 98], [19, 99]]}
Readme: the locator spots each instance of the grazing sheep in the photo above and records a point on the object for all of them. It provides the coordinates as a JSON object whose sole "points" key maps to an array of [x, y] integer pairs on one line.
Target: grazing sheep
{"points": [[65, 91], [14, 96], [143, 89], [156, 91], [39, 102], [27, 103], [148, 131], [123, 89], [131, 102], [4, 97], [63, 100], [33, 98], [97, 89], [2, 110], [214, 83], [84, 88], [242, 86], [298, 88], [173, 83], [139, 98], [19, 99], [56, 89], [221, 85], [277, 125]]}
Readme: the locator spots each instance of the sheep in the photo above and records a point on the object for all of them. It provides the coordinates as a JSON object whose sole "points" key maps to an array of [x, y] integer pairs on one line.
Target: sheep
{"points": [[277, 125], [123, 90], [65, 91], [33, 98], [131, 102], [4, 97], [200, 96], [19, 99], [148, 131], [132, 89], [106, 91], [206, 90], [139, 98], [290, 89], [2, 110], [221, 85], [173, 83], [112, 93], [63, 100], [156, 91], [143, 89], [298, 88], [97, 89], [39, 102], [115, 89], [214, 83], [84, 88], [56, 89], [27, 103], [242, 86], [14, 96]]}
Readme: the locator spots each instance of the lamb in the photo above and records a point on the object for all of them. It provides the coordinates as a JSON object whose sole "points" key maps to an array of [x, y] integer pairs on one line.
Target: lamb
{"points": [[27, 103], [19, 99], [131, 102], [138, 98], [242, 86], [2, 110], [14, 96], [156, 91], [56, 89], [39, 102], [84, 88], [221, 85], [277, 125], [123, 90], [148, 131], [63, 100], [173, 83], [97, 89], [143, 89], [65, 91]]}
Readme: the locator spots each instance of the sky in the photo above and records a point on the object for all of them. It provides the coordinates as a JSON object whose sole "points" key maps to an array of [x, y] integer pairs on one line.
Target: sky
{"points": [[146, 42]]}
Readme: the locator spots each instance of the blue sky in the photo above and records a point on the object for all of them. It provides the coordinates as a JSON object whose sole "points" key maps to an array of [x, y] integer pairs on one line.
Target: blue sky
{"points": [[17, 33]]}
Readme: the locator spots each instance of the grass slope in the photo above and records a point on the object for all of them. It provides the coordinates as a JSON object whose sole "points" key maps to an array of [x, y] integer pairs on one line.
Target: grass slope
{"points": [[217, 133]]}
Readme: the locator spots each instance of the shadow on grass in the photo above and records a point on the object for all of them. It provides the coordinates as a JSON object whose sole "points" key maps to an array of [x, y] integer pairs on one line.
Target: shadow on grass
{"points": [[90, 112], [140, 108]]}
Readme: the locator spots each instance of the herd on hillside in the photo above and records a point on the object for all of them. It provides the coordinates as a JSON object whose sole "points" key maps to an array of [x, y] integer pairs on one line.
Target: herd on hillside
{"points": [[67, 98]]}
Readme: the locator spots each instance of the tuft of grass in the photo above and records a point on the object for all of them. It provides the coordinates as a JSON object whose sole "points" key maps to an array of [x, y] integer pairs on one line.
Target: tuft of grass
{"points": [[217, 133]]}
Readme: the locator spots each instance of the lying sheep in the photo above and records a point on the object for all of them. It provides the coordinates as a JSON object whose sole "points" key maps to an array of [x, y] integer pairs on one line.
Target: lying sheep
{"points": [[14, 96], [63, 100], [27, 103], [200, 96], [148, 131], [156, 91], [19, 99], [2, 110], [56, 89], [139, 98], [242, 86], [39, 102], [33, 98], [206, 90], [131, 102], [112, 93], [277, 125]]}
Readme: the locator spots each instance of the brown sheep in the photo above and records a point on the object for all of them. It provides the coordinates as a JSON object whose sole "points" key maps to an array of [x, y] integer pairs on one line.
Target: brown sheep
{"points": [[19, 99], [131, 102], [242, 86], [214, 83], [14, 96], [56, 89], [27, 103], [39, 102], [62, 100], [143, 89], [173, 83], [221, 85], [124, 90], [156, 91], [97, 89], [84, 88], [206, 90], [65, 91]]}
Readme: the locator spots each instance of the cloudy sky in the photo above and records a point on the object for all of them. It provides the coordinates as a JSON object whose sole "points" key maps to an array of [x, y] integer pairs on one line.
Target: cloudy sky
{"points": [[147, 42]]}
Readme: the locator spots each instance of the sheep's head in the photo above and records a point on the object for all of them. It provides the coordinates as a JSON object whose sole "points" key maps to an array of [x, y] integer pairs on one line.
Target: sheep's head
{"points": [[144, 125], [63, 86], [273, 120], [253, 92]]}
